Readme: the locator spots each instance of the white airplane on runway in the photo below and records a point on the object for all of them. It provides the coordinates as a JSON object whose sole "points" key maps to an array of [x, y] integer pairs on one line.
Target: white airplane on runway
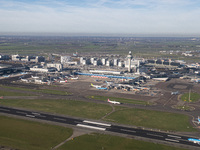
{"points": [[194, 140], [113, 102], [198, 120]]}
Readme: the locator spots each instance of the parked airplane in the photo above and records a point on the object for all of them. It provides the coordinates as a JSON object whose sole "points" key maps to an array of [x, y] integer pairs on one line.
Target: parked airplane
{"points": [[175, 93], [142, 88], [194, 140], [74, 78], [102, 88], [113, 102], [34, 77], [110, 83], [198, 120], [63, 81], [96, 86], [6, 75], [24, 80], [135, 89], [161, 79], [196, 80]]}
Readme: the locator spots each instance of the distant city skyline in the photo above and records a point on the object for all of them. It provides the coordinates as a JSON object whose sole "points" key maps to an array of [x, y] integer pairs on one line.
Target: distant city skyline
{"points": [[147, 17]]}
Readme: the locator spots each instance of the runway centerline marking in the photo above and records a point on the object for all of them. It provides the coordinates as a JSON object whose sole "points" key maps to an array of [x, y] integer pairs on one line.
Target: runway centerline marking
{"points": [[178, 137], [60, 119], [155, 135], [30, 116], [171, 140], [128, 130], [21, 112], [35, 113], [41, 116]]}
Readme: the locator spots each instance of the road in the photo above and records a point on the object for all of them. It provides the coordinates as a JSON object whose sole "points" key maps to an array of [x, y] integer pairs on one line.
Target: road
{"points": [[93, 125]]}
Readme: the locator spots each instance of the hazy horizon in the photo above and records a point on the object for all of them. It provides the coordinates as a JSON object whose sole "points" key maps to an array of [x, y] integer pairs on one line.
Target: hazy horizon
{"points": [[95, 34]]}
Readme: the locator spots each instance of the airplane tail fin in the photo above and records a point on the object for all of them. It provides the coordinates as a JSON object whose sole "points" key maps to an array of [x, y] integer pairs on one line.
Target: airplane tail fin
{"points": [[92, 84], [108, 100]]}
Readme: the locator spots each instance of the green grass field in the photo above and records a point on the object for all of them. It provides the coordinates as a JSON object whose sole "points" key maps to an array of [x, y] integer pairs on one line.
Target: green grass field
{"points": [[10, 93], [50, 91], [137, 117], [152, 119], [28, 135], [121, 100], [66, 107], [193, 97], [185, 107], [109, 142], [47, 91]]}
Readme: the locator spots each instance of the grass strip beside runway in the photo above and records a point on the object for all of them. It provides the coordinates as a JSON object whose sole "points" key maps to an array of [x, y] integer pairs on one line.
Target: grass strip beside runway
{"points": [[130, 116], [45, 91], [121, 100], [108, 142], [152, 119], [29, 135], [65, 107], [11, 93]]}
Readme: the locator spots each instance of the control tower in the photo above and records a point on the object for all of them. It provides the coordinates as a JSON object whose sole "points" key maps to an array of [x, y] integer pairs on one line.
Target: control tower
{"points": [[129, 56]]}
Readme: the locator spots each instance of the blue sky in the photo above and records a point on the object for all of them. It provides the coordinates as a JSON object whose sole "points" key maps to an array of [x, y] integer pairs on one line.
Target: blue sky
{"points": [[101, 16]]}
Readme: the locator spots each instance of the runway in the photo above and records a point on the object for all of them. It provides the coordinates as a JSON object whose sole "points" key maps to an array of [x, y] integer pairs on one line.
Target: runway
{"points": [[93, 125]]}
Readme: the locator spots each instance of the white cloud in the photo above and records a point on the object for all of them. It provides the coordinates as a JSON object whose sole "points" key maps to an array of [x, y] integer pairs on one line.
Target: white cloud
{"points": [[134, 16]]}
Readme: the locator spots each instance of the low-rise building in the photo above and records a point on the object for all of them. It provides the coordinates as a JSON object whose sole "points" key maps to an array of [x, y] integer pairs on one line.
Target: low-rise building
{"points": [[58, 66], [15, 57], [84, 61], [116, 62], [97, 62], [4, 57], [120, 64], [108, 63], [103, 61], [65, 59]]}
